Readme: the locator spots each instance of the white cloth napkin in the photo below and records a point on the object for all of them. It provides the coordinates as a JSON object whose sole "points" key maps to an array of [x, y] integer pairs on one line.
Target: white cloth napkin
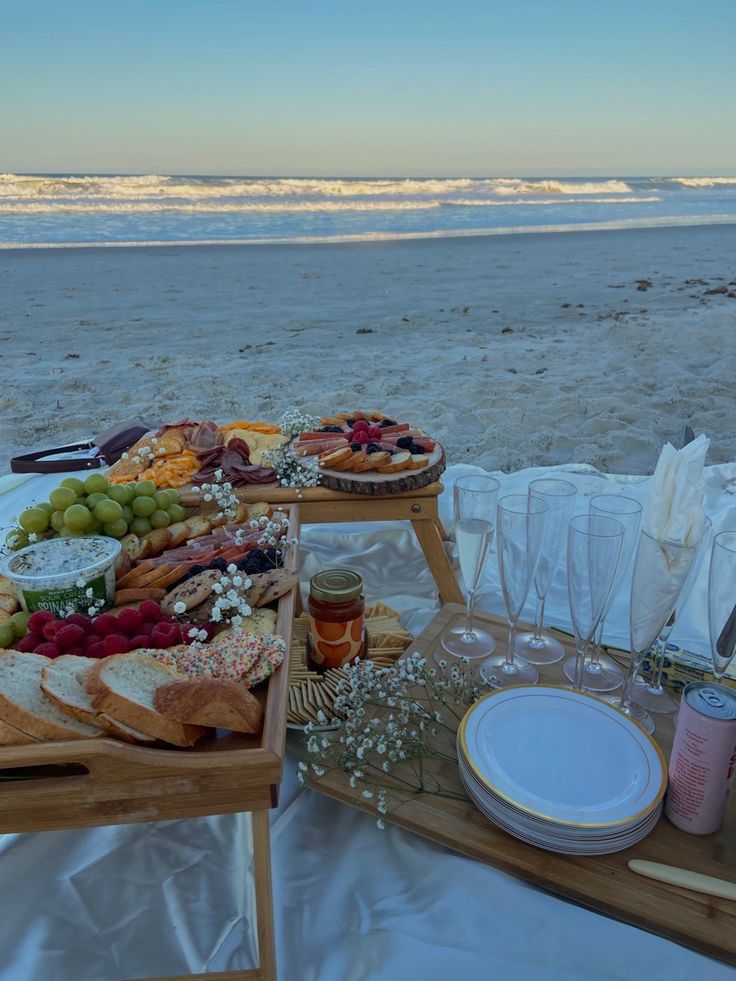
{"points": [[674, 511], [674, 514]]}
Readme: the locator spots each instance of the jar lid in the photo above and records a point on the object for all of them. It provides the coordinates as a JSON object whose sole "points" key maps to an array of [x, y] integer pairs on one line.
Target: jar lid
{"points": [[336, 586]]}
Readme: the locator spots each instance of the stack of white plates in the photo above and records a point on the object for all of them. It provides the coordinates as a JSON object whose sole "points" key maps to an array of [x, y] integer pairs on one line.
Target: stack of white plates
{"points": [[561, 770]]}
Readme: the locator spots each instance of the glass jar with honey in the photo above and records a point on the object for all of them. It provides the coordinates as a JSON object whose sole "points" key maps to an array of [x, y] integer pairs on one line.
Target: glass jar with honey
{"points": [[336, 619]]}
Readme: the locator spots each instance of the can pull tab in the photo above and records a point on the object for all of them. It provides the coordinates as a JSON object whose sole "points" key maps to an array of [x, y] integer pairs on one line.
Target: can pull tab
{"points": [[713, 699]]}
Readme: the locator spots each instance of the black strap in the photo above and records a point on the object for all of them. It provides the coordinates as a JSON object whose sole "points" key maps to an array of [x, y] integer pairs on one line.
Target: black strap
{"points": [[35, 462]]}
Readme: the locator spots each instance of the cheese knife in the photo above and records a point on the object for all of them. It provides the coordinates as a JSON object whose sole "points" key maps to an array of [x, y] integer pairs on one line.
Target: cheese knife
{"points": [[685, 878]]}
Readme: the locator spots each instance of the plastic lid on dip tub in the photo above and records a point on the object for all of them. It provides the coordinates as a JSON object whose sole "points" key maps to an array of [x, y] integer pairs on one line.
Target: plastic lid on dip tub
{"points": [[336, 586]]}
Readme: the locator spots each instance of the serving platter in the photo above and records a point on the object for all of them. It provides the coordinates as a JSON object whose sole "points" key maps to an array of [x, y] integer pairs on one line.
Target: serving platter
{"points": [[86, 782], [378, 484], [604, 883]]}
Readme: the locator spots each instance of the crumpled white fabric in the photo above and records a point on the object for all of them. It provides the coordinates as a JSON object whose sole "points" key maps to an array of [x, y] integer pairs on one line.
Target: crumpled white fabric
{"points": [[351, 902]]}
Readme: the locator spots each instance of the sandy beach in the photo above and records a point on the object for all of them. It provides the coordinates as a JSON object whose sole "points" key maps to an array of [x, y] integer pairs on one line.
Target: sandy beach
{"points": [[514, 350]]}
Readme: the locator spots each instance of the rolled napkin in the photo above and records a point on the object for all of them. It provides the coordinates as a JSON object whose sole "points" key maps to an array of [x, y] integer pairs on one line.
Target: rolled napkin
{"points": [[673, 516]]}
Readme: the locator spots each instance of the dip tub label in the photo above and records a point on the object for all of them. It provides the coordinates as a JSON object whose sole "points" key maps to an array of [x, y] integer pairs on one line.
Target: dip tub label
{"points": [[60, 601]]}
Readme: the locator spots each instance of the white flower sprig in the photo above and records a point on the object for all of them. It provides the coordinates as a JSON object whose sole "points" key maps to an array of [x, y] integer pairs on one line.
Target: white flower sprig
{"points": [[294, 422], [289, 470], [222, 493], [390, 722], [231, 605]]}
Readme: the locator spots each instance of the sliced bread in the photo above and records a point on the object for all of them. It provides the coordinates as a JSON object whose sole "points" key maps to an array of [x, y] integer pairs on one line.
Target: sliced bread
{"points": [[63, 682], [123, 687], [10, 736], [24, 706], [211, 702]]}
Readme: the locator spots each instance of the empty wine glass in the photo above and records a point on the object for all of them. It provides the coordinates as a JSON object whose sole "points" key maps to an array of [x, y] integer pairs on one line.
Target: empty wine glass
{"points": [[559, 496], [601, 673], [651, 695], [722, 602], [594, 545], [660, 570], [520, 531], [474, 500]]}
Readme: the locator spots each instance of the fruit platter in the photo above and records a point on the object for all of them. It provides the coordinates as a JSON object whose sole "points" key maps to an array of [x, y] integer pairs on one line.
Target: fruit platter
{"points": [[126, 618], [369, 453]]}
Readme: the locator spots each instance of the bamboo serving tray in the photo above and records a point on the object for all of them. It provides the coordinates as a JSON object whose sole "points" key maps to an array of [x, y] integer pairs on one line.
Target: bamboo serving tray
{"points": [[603, 883], [87, 782]]}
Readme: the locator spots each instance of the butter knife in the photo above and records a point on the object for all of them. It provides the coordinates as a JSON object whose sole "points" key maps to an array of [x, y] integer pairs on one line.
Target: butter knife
{"points": [[695, 881]]}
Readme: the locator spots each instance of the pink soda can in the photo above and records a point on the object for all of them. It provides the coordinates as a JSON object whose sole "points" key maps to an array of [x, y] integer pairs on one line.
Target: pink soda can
{"points": [[702, 760]]}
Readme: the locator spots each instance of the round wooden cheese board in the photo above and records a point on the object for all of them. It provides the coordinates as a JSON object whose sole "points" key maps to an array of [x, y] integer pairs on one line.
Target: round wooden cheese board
{"points": [[377, 484]]}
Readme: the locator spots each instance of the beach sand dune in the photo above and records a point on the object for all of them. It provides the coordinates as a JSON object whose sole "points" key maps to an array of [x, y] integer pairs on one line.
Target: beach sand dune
{"points": [[591, 347]]}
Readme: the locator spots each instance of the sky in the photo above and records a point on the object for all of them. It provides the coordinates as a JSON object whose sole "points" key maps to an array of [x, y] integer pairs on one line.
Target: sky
{"points": [[368, 87]]}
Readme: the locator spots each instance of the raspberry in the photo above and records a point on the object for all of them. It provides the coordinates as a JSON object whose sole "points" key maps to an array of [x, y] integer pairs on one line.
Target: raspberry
{"points": [[130, 621], [360, 424], [140, 640], [29, 643], [150, 611], [81, 621], [50, 628], [104, 624], [95, 649], [48, 650], [69, 635], [37, 620], [165, 635], [116, 644], [76, 651], [362, 437], [374, 432]]}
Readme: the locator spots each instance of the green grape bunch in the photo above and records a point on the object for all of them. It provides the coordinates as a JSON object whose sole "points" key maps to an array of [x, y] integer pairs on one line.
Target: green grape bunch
{"points": [[96, 507]]}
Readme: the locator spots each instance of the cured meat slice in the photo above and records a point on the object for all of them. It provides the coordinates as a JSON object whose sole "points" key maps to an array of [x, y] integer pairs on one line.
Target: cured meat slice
{"points": [[310, 447]]}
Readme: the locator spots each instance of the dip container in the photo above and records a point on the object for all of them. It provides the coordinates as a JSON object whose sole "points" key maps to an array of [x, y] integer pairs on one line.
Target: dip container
{"points": [[56, 574]]}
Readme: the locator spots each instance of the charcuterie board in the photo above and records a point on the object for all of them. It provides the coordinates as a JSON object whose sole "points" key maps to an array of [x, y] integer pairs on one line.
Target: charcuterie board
{"points": [[377, 484], [86, 782]]}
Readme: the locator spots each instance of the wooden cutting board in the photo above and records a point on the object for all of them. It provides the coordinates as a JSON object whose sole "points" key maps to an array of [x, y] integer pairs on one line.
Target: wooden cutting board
{"points": [[603, 883]]}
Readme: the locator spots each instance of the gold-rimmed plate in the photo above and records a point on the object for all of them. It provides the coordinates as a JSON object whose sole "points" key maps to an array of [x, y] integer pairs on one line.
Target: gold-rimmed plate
{"points": [[562, 756]]}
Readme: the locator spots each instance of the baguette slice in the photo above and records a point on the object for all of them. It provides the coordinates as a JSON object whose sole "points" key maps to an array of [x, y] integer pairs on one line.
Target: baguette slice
{"points": [[399, 461], [123, 687], [24, 706], [418, 460], [63, 682], [374, 461], [210, 702]]}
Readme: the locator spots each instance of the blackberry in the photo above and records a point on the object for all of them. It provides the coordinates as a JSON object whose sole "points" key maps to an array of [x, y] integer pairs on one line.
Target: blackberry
{"points": [[415, 449], [387, 422], [356, 447], [372, 448], [330, 429], [404, 442], [350, 422], [219, 564]]}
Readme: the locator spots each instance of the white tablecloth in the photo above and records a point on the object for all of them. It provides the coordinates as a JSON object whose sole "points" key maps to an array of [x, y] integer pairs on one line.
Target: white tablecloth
{"points": [[351, 902]]}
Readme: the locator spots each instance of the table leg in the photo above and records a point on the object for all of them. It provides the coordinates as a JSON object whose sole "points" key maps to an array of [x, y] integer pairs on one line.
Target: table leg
{"points": [[430, 540], [264, 895]]}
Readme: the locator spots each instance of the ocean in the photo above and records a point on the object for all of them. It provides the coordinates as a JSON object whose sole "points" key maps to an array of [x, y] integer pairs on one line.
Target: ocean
{"points": [[55, 210]]}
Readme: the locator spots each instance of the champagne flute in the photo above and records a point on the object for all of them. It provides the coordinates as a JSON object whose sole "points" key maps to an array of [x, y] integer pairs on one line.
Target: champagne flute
{"points": [[651, 695], [559, 496], [661, 568], [594, 546], [722, 602], [474, 499], [520, 526], [601, 673]]}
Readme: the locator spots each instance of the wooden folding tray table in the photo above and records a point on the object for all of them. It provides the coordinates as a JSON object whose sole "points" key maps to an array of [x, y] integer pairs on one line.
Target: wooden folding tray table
{"points": [[89, 782]]}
